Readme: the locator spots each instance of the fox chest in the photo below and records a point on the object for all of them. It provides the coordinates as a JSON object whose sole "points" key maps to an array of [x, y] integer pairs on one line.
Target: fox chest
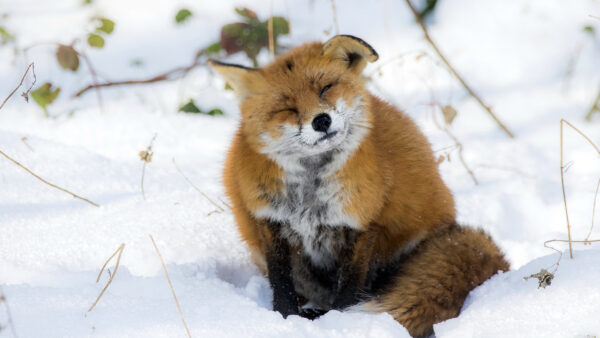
{"points": [[311, 207]]}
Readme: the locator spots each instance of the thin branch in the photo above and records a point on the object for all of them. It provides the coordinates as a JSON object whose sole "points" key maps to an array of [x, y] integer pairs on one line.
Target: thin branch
{"points": [[220, 208], [170, 75], [48, 183], [562, 171], [11, 323], [593, 210], [594, 108], [170, 285], [112, 276], [94, 78], [454, 72], [26, 93], [458, 146], [335, 22]]}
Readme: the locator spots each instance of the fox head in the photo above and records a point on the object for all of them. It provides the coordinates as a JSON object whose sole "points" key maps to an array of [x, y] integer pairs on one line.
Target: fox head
{"points": [[307, 102]]}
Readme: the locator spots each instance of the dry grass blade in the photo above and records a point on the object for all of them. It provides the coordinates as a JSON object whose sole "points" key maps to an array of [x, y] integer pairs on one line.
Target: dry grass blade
{"points": [[593, 212], [146, 157], [335, 21], [170, 285], [25, 94], [8, 314], [48, 183], [454, 72], [270, 33], [220, 208], [112, 276], [594, 108], [562, 176]]}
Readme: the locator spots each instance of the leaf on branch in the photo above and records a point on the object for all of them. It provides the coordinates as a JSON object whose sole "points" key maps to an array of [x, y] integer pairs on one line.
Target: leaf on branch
{"points": [[95, 40], [246, 13], [251, 35], [449, 114], [213, 48], [45, 95], [182, 15], [67, 58], [106, 25]]}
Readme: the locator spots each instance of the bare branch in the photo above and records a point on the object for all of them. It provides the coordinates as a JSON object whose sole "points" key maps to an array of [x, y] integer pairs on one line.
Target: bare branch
{"points": [[594, 108], [593, 211], [454, 72], [26, 93], [170, 285], [48, 183], [112, 276], [11, 323], [170, 75]]}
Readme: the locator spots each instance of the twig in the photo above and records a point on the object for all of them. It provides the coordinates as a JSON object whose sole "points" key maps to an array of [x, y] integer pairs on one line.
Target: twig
{"points": [[11, 323], [112, 276], [94, 78], [48, 183], [458, 146], [220, 208], [173, 74], [594, 108], [26, 93], [270, 33], [562, 170], [170, 285], [335, 22], [560, 252], [454, 72], [146, 157], [593, 211], [24, 140]]}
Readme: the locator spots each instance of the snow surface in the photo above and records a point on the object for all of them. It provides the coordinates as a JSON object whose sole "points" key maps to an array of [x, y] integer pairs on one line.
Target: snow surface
{"points": [[515, 53]]}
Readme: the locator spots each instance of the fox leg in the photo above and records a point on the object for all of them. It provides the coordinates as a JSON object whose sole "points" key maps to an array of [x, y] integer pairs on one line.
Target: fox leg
{"points": [[434, 280], [279, 270], [353, 270]]}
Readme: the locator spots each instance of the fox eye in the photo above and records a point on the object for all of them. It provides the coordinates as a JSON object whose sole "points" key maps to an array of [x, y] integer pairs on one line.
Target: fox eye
{"points": [[324, 90]]}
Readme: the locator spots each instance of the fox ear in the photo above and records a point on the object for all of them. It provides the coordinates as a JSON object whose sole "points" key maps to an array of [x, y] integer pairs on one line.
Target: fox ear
{"points": [[351, 50], [241, 79]]}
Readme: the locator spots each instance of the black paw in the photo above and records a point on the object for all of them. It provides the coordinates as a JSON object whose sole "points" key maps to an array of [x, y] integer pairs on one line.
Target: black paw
{"points": [[312, 313]]}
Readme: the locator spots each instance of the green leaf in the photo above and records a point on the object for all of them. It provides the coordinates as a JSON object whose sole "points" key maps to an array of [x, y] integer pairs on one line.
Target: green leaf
{"points": [[87, 2], [214, 48], [190, 107], [215, 112], [106, 25], [182, 15], [45, 95], [590, 30], [246, 13], [280, 26], [228, 86], [67, 58], [95, 40], [5, 36]]}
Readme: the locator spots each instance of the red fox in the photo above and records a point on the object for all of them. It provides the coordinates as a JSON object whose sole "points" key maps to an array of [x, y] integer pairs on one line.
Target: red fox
{"points": [[338, 195]]}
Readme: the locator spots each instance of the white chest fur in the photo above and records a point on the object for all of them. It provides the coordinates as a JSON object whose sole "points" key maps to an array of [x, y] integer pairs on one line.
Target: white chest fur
{"points": [[310, 203]]}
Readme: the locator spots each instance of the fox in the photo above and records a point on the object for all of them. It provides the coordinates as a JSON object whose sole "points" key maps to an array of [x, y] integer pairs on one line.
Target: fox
{"points": [[339, 198]]}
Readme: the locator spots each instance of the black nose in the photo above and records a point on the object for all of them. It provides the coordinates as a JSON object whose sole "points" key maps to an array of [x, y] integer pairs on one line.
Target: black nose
{"points": [[321, 122]]}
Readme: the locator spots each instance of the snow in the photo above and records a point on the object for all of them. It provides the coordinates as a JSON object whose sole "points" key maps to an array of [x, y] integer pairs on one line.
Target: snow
{"points": [[516, 54]]}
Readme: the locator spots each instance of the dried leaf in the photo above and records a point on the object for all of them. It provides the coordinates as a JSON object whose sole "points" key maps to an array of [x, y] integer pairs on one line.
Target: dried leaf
{"points": [[544, 278], [449, 113], [67, 58]]}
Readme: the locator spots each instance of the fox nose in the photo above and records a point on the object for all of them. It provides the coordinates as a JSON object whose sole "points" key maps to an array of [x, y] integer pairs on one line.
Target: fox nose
{"points": [[321, 122]]}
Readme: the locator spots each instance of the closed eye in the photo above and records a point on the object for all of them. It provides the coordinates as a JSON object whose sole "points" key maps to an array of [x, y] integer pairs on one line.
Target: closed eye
{"points": [[323, 91], [274, 112]]}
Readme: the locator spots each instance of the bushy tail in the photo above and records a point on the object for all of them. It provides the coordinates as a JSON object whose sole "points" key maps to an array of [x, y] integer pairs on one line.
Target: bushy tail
{"points": [[432, 284]]}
